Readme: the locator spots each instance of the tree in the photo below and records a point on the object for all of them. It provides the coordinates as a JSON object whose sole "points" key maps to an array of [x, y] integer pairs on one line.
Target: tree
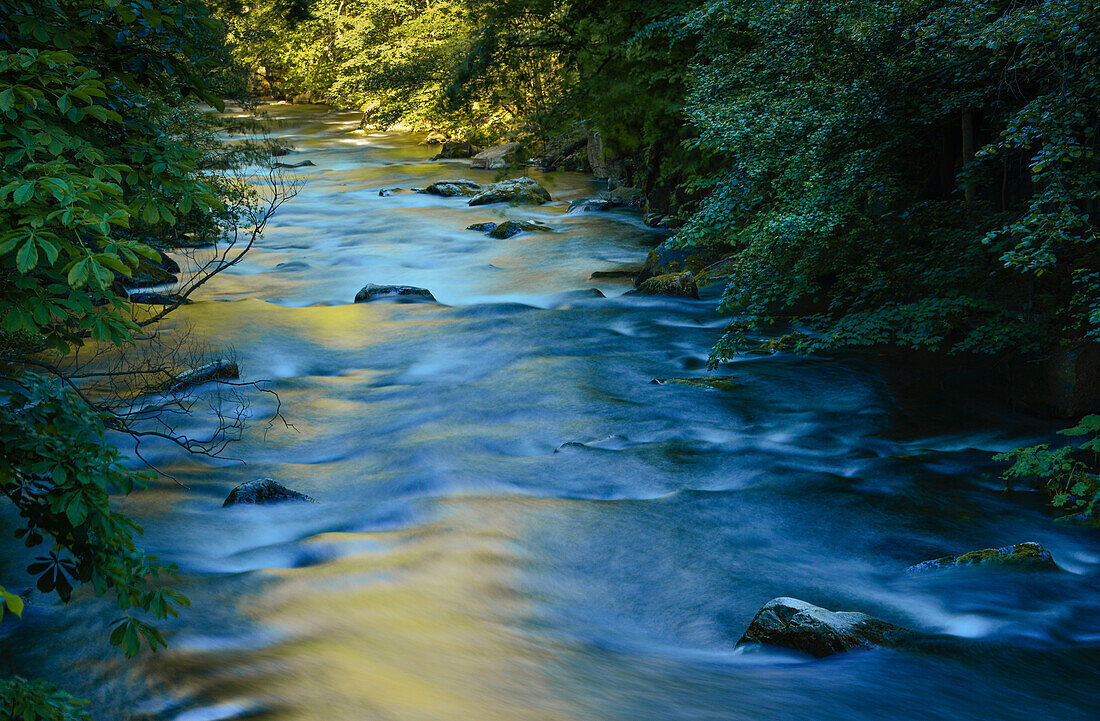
{"points": [[108, 160]]}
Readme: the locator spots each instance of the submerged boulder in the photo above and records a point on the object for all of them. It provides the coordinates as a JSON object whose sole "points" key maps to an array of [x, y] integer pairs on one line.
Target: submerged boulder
{"points": [[619, 274], [498, 157], [718, 383], [590, 205], [400, 293], [451, 188], [303, 164], [795, 624], [519, 191], [510, 228], [1029, 555], [262, 491], [675, 284]]}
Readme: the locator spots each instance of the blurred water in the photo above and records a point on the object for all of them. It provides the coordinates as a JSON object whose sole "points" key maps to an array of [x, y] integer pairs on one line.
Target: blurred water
{"points": [[463, 565]]}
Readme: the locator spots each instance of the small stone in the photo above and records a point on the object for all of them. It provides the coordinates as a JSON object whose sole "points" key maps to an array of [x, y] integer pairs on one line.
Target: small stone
{"points": [[303, 164], [400, 293], [263, 491]]}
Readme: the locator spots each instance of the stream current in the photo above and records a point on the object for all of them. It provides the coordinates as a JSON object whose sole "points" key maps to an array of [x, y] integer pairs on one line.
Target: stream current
{"points": [[462, 564]]}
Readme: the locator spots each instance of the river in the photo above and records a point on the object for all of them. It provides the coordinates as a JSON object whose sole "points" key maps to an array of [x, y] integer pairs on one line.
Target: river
{"points": [[462, 564]]}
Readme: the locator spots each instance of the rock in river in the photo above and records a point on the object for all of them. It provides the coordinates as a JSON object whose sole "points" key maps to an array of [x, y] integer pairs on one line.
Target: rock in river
{"points": [[481, 227], [509, 228], [795, 624], [451, 188], [261, 491], [669, 258], [519, 191], [401, 293], [1029, 555], [498, 157], [677, 284]]}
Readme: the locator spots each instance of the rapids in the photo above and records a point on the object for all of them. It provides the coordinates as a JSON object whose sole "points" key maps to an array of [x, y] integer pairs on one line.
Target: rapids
{"points": [[462, 565]]}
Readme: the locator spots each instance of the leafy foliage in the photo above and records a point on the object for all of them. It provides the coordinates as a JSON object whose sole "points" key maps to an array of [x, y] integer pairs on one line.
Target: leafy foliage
{"points": [[914, 174], [1070, 475], [23, 700], [59, 473]]}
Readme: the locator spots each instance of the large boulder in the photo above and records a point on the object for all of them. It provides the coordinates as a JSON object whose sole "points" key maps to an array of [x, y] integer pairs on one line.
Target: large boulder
{"points": [[498, 157], [668, 257], [400, 293], [518, 191], [434, 138], [263, 491], [1028, 556], [509, 228], [453, 149], [795, 624], [676, 284], [451, 188]]}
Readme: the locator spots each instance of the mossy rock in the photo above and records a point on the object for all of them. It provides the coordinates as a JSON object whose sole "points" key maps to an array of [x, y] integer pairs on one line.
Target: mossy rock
{"points": [[399, 293], [718, 383], [668, 257], [791, 623], [510, 228], [674, 284], [481, 227], [1029, 556], [517, 191], [451, 188]]}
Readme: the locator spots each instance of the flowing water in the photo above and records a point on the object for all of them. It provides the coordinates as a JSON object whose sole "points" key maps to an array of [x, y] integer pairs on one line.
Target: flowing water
{"points": [[462, 564]]}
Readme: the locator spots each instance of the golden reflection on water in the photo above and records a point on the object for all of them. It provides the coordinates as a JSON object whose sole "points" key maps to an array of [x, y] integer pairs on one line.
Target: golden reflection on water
{"points": [[426, 630]]}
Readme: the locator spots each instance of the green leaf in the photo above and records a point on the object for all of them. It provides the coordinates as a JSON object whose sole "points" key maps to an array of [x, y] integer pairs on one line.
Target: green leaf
{"points": [[27, 257], [13, 602]]}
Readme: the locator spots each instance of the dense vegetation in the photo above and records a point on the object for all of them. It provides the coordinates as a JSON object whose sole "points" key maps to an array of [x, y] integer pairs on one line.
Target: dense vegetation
{"points": [[106, 150]]}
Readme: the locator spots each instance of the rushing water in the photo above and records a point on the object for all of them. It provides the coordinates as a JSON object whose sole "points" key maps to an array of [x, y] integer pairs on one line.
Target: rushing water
{"points": [[462, 565]]}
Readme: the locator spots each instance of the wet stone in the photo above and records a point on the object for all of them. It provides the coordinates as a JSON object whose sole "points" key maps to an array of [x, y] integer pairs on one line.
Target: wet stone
{"points": [[1028, 556], [261, 491], [400, 293]]}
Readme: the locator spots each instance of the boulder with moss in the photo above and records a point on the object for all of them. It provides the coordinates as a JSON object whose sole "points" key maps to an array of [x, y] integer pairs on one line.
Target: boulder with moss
{"points": [[718, 383], [518, 191], [794, 624], [399, 293], [451, 188], [510, 228], [1028, 556], [674, 284], [669, 257]]}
